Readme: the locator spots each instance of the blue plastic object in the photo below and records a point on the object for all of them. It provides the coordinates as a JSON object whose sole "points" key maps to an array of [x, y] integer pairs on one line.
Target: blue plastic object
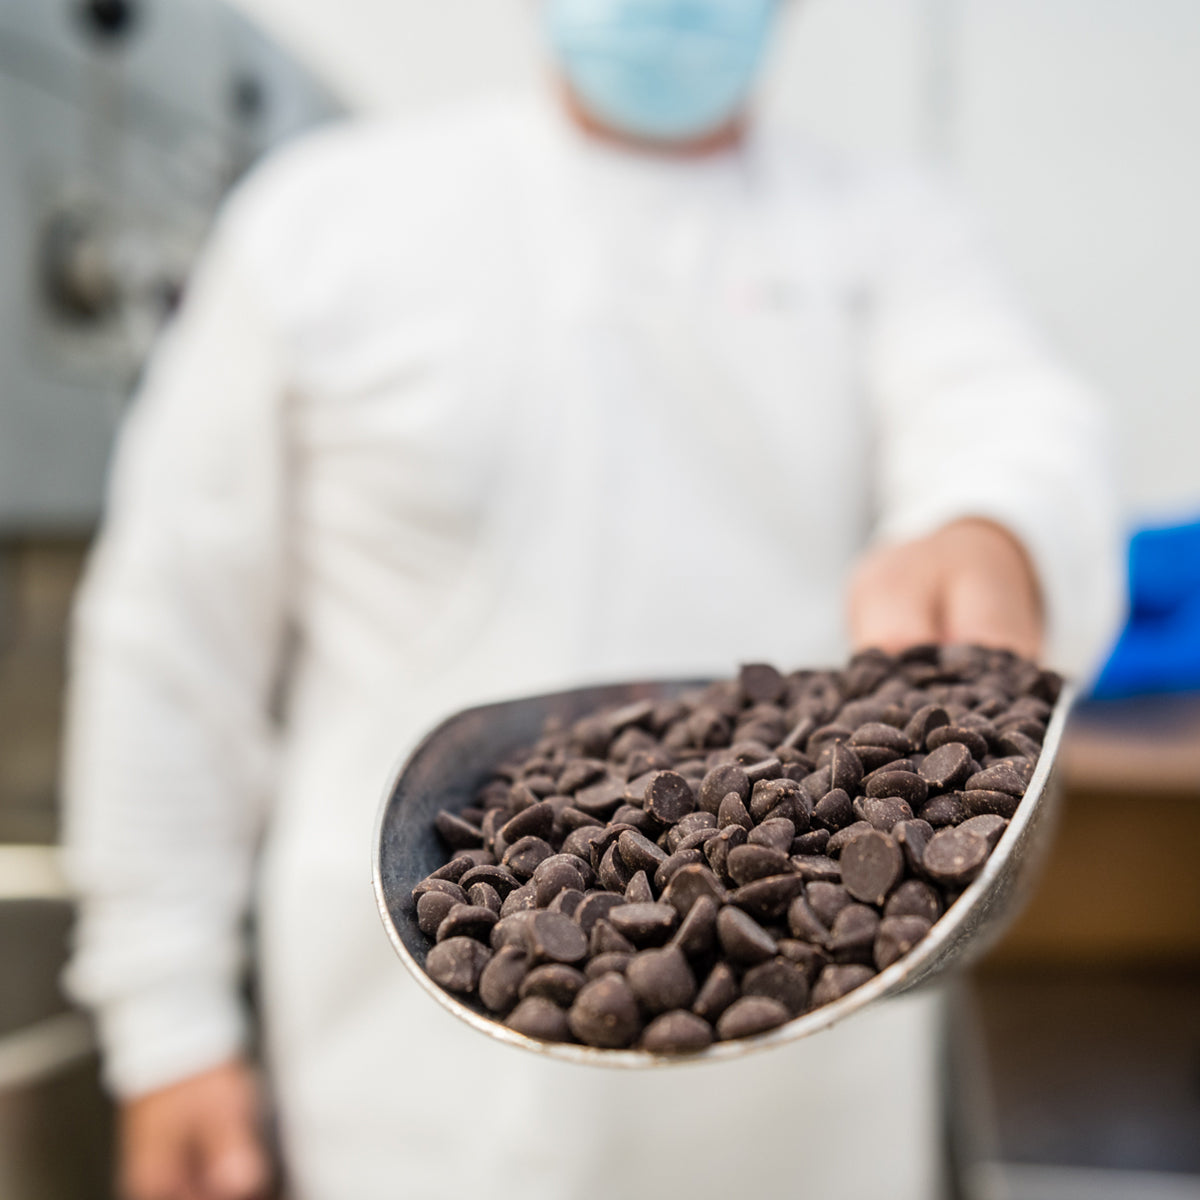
{"points": [[1159, 649]]}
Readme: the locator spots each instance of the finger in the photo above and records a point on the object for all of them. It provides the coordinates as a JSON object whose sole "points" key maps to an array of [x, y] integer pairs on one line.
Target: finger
{"points": [[235, 1165], [155, 1166], [993, 608], [893, 608]]}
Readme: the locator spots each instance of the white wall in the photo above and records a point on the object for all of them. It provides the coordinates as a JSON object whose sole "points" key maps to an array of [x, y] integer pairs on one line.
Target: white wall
{"points": [[1075, 123]]}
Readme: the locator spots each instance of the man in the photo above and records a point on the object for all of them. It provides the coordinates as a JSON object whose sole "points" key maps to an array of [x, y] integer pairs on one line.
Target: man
{"points": [[493, 404]]}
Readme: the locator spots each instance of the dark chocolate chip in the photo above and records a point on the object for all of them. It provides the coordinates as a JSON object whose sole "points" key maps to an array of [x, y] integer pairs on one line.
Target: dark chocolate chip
{"points": [[749, 1016], [871, 866], [500, 981], [677, 1032], [457, 963], [896, 937], [540, 1018], [954, 856], [742, 938], [913, 898], [605, 1013], [837, 980]]}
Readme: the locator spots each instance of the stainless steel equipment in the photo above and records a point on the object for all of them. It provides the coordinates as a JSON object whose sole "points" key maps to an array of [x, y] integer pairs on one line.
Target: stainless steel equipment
{"points": [[448, 767], [122, 125]]}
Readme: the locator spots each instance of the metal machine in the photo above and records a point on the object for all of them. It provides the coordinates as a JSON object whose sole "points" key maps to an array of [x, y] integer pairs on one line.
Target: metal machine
{"points": [[122, 125]]}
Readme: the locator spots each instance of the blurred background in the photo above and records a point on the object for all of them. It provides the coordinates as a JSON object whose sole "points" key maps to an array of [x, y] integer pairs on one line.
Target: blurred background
{"points": [[1075, 1053]]}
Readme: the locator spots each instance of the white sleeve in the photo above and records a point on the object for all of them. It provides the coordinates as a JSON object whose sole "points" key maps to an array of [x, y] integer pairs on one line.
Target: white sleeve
{"points": [[975, 418], [170, 742]]}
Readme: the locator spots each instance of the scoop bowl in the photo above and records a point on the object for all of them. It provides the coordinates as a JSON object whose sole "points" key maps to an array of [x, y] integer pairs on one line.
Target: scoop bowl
{"points": [[448, 767]]}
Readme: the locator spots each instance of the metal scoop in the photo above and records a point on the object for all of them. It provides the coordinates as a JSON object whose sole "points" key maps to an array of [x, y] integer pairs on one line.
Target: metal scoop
{"points": [[456, 758]]}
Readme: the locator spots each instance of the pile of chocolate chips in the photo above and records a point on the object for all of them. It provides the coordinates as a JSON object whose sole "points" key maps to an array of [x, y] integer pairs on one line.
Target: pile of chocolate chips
{"points": [[667, 873]]}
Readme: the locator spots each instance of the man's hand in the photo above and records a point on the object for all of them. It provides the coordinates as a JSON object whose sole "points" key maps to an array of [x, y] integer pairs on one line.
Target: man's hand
{"points": [[971, 581], [195, 1140]]}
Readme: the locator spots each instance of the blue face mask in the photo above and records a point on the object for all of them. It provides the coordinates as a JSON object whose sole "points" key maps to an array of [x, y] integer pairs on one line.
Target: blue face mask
{"points": [[660, 70]]}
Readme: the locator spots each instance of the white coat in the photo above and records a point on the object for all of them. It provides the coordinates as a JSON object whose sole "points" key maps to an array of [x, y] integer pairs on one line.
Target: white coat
{"points": [[474, 408]]}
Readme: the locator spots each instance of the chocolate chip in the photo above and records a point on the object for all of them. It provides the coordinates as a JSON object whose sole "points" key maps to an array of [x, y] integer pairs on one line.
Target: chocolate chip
{"points": [[567, 902], [833, 811], [500, 980], [605, 1013], [827, 900], [719, 782], [999, 804], [457, 963], [767, 898], [989, 827], [908, 785], [912, 837], [777, 795], [511, 930], [778, 980], [661, 980], [522, 858], [717, 849], [485, 896], [871, 866], [944, 810], [776, 833], [444, 886], [554, 981], [749, 862], [742, 938], [948, 766], [503, 880], [896, 937], [457, 833], [882, 813], [913, 898], [837, 980], [690, 884], [677, 1032], [639, 853], [845, 768], [732, 811], [552, 937], [924, 721], [611, 961], [811, 959], [956, 735], [645, 924], [840, 840], [816, 866], [452, 871], [749, 1016], [955, 856], [672, 865], [761, 683], [698, 931], [606, 940], [852, 937], [669, 797], [886, 736], [535, 821], [467, 920], [717, 992], [814, 842], [432, 910], [556, 874], [638, 890], [1001, 777], [595, 907], [540, 1018]]}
